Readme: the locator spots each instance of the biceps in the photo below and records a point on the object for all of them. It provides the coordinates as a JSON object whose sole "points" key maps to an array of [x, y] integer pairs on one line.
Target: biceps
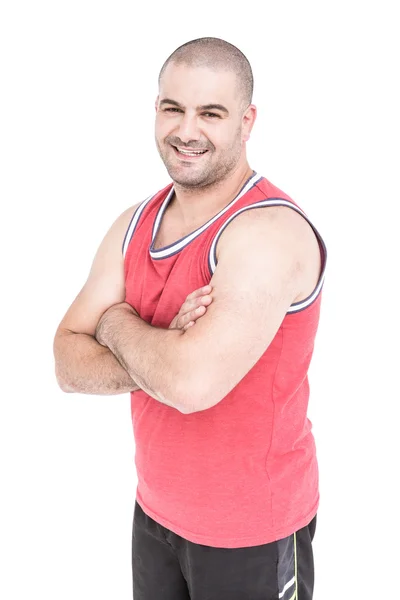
{"points": [[97, 295], [105, 285], [228, 341], [241, 334]]}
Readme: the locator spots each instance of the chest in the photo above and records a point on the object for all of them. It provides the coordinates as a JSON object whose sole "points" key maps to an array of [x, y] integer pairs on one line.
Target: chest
{"points": [[168, 234], [157, 283], [171, 230]]}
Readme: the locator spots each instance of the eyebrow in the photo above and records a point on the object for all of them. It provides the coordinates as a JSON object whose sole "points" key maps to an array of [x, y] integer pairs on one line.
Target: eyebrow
{"points": [[202, 107]]}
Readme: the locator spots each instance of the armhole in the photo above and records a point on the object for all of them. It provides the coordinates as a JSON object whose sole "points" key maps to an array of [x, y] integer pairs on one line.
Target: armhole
{"points": [[297, 306], [133, 223]]}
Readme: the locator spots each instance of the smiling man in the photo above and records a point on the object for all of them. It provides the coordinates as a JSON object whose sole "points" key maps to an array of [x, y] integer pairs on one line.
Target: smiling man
{"points": [[227, 473]]}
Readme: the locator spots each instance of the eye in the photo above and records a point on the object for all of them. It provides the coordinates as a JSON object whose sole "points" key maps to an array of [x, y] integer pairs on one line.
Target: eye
{"points": [[211, 115], [172, 109]]}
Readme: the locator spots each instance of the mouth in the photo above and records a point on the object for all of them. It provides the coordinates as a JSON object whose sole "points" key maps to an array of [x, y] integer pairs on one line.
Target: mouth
{"points": [[189, 153]]}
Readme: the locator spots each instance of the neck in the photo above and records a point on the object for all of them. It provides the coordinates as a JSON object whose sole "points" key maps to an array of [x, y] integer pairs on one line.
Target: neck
{"points": [[199, 204]]}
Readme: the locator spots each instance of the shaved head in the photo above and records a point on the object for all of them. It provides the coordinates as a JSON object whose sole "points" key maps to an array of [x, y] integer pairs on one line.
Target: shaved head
{"points": [[218, 55]]}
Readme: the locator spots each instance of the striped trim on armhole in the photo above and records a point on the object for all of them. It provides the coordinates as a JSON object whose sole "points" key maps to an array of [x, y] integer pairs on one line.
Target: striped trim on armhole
{"points": [[133, 223], [297, 306]]}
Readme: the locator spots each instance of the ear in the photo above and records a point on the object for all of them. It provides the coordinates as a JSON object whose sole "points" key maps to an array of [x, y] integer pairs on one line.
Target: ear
{"points": [[249, 118]]}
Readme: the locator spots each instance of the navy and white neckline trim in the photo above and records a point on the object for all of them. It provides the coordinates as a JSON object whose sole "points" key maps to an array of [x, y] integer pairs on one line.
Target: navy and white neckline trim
{"points": [[181, 243]]}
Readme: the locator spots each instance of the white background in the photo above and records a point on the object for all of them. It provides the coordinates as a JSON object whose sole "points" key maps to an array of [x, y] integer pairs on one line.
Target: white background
{"points": [[79, 80]]}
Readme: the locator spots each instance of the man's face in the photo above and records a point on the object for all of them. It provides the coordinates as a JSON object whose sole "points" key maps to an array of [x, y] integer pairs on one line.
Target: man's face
{"points": [[199, 124]]}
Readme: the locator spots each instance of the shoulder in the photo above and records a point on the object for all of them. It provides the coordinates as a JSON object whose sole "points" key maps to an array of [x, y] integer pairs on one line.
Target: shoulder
{"points": [[113, 240], [277, 242], [121, 224], [127, 216], [272, 227]]}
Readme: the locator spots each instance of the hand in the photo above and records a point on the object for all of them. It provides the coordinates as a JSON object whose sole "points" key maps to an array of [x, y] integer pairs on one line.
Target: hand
{"points": [[194, 307]]}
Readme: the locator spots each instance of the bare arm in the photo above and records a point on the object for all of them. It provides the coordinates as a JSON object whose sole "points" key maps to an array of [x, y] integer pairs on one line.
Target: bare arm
{"points": [[82, 364], [266, 261]]}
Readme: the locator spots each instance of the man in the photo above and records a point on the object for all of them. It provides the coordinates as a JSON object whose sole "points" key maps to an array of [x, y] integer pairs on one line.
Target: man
{"points": [[227, 473]]}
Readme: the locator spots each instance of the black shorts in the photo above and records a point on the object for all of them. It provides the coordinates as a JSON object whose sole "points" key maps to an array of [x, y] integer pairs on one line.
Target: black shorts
{"points": [[167, 567]]}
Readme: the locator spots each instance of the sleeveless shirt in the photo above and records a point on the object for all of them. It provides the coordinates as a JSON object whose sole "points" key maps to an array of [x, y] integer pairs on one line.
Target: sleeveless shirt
{"points": [[244, 472]]}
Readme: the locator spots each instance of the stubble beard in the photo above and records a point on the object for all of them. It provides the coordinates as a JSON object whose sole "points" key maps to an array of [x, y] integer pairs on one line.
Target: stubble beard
{"points": [[210, 175]]}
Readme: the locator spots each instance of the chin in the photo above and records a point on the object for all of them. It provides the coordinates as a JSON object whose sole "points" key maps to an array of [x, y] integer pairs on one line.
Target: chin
{"points": [[186, 176], [188, 182]]}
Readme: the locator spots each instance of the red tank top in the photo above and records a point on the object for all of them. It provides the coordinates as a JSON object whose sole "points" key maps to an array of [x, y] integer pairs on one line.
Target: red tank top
{"points": [[243, 472]]}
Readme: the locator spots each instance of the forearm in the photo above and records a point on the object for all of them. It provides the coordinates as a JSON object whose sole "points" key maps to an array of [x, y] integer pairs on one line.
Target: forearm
{"points": [[150, 355], [85, 366]]}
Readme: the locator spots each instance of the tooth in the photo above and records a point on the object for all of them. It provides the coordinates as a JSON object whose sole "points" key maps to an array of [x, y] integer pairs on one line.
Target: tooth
{"points": [[191, 152]]}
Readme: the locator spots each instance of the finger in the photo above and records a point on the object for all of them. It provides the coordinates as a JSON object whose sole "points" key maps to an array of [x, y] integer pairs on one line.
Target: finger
{"points": [[188, 325], [199, 292], [191, 315], [194, 314], [193, 303], [204, 300]]}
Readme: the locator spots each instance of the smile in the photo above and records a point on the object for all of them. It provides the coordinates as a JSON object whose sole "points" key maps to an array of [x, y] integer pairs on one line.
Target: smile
{"points": [[189, 153]]}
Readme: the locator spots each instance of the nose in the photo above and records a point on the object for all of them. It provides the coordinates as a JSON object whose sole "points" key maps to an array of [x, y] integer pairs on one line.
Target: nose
{"points": [[188, 128]]}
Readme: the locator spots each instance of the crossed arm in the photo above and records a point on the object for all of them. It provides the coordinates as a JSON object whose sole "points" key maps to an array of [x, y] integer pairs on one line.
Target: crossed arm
{"points": [[82, 365], [263, 267], [267, 259]]}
